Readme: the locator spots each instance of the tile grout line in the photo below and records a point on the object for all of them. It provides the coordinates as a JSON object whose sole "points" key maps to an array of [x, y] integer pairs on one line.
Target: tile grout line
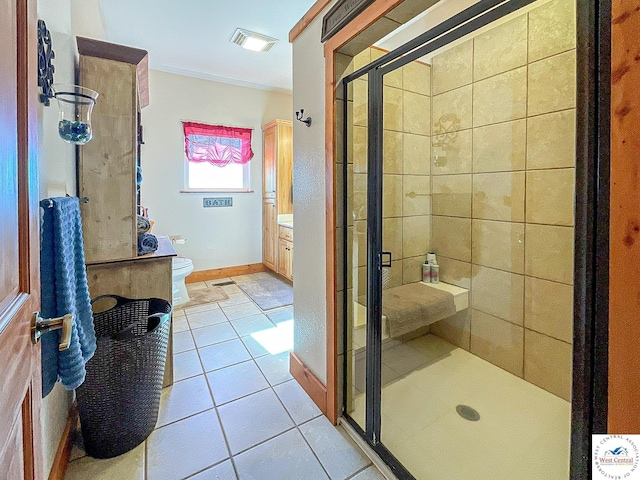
{"points": [[297, 427], [146, 448], [502, 270], [295, 424], [525, 200], [253, 359], [313, 451], [184, 418], [222, 429], [215, 405], [146, 458], [361, 470], [503, 221], [191, 475], [263, 442]]}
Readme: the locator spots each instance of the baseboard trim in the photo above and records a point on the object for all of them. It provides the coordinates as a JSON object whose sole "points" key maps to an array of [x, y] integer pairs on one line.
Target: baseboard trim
{"points": [[61, 460], [217, 273], [309, 382]]}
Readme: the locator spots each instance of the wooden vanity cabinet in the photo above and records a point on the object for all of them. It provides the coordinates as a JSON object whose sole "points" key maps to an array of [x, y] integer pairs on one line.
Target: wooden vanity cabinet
{"points": [[285, 252], [269, 235]]}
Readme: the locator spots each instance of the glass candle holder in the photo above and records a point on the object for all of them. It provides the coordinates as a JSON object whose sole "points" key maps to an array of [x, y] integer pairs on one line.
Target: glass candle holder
{"points": [[75, 104]]}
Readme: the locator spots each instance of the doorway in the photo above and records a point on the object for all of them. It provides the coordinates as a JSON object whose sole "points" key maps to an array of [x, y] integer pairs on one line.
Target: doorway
{"points": [[466, 143]]}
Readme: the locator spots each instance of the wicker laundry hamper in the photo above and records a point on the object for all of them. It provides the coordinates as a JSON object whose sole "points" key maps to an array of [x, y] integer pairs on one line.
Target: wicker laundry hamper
{"points": [[119, 399]]}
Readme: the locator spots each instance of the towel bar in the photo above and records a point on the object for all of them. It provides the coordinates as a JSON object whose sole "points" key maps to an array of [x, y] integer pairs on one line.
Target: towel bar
{"points": [[414, 194], [48, 203]]}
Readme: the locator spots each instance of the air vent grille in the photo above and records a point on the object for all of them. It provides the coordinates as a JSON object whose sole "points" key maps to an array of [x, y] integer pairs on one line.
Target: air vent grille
{"points": [[248, 39]]}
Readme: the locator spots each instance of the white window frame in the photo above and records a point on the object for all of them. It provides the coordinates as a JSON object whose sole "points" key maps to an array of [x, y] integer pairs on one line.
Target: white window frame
{"points": [[246, 181]]}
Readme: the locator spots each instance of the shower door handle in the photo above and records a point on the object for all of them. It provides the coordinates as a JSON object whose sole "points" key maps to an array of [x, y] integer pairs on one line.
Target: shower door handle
{"points": [[382, 259]]}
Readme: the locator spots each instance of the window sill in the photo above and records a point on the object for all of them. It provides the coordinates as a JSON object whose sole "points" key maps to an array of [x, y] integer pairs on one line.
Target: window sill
{"points": [[217, 191]]}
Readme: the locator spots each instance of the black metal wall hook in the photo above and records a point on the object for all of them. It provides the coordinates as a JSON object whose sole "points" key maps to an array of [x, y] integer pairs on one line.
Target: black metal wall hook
{"points": [[300, 115]]}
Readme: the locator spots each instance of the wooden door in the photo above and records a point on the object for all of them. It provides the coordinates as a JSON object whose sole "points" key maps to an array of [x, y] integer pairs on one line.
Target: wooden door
{"points": [[284, 184], [269, 162], [283, 257], [269, 225], [21, 389]]}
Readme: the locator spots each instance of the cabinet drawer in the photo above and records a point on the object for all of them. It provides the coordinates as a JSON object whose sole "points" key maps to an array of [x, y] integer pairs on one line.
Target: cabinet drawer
{"points": [[285, 232]]}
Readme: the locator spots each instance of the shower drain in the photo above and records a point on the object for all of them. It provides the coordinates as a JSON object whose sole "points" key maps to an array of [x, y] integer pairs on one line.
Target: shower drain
{"points": [[468, 413]]}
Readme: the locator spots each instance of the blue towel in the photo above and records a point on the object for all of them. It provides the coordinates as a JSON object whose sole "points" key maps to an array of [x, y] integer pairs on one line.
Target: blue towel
{"points": [[147, 243], [64, 290]]}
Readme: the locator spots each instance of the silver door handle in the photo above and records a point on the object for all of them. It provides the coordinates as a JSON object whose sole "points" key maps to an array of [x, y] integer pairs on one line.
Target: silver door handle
{"points": [[40, 326]]}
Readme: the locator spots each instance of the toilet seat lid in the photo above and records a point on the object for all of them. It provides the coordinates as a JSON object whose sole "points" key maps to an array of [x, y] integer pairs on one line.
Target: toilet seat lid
{"points": [[181, 262]]}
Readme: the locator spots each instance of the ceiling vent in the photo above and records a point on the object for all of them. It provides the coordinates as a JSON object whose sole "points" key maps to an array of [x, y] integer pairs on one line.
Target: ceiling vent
{"points": [[253, 41]]}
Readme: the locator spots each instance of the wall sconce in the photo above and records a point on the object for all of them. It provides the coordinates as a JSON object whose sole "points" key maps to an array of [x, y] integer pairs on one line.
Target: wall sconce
{"points": [[74, 102], [300, 115]]}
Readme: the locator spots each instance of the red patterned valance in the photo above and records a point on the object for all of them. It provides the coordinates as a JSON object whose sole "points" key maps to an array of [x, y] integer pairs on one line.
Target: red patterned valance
{"points": [[216, 144]]}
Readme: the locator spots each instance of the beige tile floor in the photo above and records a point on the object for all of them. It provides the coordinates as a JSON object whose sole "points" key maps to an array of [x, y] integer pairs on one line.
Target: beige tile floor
{"points": [[523, 432], [234, 411]]}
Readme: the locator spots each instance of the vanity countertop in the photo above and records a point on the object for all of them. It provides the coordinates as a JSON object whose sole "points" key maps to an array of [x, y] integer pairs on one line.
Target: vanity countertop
{"points": [[286, 220], [165, 249]]}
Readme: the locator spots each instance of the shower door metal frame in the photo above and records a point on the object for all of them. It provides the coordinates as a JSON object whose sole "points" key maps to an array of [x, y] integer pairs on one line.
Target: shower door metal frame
{"points": [[590, 343]]}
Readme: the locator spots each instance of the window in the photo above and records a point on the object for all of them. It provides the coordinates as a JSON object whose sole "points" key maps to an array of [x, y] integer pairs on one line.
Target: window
{"points": [[216, 158]]}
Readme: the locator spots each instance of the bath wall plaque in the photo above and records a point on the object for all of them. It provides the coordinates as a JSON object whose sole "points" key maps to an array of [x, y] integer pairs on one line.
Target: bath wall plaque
{"points": [[217, 202], [342, 13]]}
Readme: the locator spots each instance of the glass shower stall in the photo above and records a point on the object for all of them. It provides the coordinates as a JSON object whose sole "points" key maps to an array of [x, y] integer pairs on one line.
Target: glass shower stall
{"points": [[462, 143]]}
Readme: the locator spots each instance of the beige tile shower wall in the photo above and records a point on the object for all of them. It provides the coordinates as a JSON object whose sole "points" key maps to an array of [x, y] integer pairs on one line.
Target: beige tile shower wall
{"points": [[503, 140], [406, 169], [357, 179]]}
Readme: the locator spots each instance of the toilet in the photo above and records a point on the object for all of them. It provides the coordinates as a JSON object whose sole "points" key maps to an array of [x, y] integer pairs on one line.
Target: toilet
{"points": [[181, 268]]}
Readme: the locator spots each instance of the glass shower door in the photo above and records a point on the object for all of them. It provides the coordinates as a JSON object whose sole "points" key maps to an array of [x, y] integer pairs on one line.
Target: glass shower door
{"points": [[355, 299], [406, 221], [471, 144], [463, 145]]}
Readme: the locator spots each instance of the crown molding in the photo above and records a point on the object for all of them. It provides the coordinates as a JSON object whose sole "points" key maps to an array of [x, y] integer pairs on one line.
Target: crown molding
{"points": [[215, 78]]}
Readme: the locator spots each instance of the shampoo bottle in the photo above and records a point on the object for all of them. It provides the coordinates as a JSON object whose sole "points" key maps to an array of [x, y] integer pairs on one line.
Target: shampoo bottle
{"points": [[435, 273], [426, 272]]}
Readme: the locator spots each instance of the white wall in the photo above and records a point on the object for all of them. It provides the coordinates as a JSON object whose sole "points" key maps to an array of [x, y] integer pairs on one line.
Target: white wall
{"points": [[86, 19], [217, 237], [309, 260], [56, 170]]}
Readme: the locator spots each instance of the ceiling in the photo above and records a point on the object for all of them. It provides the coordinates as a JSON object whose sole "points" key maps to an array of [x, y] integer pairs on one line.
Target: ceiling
{"points": [[191, 37]]}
